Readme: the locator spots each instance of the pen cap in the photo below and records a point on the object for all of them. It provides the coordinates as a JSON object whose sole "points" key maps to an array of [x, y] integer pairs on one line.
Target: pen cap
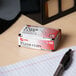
{"points": [[67, 58]]}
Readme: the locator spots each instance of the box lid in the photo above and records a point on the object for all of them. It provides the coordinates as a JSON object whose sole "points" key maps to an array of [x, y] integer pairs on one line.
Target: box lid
{"points": [[36, 32]]}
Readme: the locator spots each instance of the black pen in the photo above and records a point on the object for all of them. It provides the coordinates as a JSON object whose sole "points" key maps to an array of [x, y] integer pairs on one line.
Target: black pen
{"points": [[64, 63]]}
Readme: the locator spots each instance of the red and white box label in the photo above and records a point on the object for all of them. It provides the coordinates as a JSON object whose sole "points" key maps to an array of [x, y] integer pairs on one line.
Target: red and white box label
{"points": [[39, 37]]}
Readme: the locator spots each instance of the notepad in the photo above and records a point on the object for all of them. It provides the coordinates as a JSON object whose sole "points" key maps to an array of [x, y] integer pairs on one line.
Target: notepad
{"points": [[44, 65]]}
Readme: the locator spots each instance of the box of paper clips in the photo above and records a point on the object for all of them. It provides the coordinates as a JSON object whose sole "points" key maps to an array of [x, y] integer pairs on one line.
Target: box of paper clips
{"points": [[39, 37]]}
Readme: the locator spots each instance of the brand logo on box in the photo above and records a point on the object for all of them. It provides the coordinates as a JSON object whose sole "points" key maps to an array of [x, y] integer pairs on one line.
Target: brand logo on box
{"points": [[23, 39]]}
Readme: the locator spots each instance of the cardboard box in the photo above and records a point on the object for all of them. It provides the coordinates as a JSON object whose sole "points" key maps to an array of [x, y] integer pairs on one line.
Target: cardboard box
{"points": [[39, 37]]}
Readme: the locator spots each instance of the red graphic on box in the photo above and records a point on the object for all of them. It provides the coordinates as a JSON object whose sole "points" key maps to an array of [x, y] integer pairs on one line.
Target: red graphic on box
{"points": [[23, 39]]}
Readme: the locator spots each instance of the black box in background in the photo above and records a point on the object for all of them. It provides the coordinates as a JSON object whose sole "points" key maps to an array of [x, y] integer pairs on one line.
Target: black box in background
{"points": [[44, 11]]}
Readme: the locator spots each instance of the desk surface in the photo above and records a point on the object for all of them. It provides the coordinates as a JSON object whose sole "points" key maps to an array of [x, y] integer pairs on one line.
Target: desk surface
{"points": [[10, 52]]}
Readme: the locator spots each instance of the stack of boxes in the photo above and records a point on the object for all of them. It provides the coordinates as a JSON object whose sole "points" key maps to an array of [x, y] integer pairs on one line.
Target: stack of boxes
{"points": [[39, 37]]}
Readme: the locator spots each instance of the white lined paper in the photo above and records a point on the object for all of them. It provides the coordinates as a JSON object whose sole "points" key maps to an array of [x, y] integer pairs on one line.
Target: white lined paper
{"points": [[44, 65]]}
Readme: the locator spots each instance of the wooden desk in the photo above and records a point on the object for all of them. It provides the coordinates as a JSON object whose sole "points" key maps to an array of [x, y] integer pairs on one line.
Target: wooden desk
{"points": [[10, 52]]}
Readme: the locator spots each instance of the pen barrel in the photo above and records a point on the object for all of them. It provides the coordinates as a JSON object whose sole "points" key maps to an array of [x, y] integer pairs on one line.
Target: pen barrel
{"points": [[59, 70]]}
